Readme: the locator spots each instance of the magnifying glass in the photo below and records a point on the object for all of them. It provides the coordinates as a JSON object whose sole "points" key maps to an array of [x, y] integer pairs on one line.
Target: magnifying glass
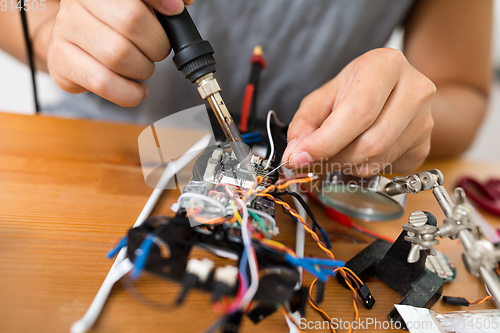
{"points": [[363, 198]]}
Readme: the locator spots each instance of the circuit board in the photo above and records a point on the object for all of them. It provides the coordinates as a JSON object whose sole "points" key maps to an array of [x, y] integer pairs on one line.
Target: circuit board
{"points": [[222, 180]]}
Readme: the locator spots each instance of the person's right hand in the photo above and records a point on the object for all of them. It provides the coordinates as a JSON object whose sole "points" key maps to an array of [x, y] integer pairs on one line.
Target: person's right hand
{"points": [[107, 47]]}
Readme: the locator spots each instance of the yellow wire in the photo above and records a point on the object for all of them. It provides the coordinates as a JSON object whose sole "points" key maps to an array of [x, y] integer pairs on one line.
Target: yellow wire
{"points": [[236, 213]]}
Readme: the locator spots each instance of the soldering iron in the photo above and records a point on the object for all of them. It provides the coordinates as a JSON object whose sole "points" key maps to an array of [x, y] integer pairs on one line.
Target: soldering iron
{"points": [[194, 58]]}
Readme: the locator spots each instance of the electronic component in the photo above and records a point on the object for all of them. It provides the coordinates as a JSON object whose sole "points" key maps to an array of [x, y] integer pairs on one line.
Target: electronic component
{"points": [[218, 179], [456, 300], [365, 294], [225, 279], [197, 271], [223, 168]]}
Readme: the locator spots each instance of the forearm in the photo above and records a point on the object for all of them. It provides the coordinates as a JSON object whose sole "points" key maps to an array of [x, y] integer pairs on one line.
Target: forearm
{"points": [[458, 111], [40, 28]]}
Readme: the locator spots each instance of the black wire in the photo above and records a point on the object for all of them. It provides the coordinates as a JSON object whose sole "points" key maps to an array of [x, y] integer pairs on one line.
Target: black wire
{"points": [[29, 51], [308, 211]]}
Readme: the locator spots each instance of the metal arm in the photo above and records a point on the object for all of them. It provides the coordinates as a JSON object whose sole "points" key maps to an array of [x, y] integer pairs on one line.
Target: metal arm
{"points": [[480, 256]]}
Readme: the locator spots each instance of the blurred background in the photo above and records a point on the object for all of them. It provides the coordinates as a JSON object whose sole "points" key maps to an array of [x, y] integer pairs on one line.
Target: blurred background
{"points": [[16, 94]]}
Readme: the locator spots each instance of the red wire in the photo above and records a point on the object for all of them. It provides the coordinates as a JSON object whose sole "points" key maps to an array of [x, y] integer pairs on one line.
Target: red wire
{"points": [[343, 219], [245, 109]]}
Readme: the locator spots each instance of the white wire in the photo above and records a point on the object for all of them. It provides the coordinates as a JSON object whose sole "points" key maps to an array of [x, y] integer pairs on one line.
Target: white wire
{"points": [[205, 198], [95, 308], [264, 215], [93, 312], [269, 135], [254, 271], [300, 234]]}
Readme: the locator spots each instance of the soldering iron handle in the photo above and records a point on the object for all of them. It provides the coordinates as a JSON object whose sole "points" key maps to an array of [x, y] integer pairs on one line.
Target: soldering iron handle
{"points": [[193, 55]]}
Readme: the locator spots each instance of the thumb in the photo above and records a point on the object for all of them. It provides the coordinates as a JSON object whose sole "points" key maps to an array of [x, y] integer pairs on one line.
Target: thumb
{"points": [[167, 7]]}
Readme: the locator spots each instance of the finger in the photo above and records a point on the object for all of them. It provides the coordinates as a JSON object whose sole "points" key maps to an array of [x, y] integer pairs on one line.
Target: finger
{"points": [[394, 157], [135, 21], [412, 158], [76, 68], [109, 47], [168, 7], [409, 99], [314, 109], [355, 113]]}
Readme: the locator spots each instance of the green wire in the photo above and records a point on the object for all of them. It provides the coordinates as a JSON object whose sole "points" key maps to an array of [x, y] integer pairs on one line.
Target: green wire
{"points": [[262, 224]]}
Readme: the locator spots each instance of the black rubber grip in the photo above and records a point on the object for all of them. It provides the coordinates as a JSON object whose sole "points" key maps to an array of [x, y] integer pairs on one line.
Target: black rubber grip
{"points": [[193, 55]]}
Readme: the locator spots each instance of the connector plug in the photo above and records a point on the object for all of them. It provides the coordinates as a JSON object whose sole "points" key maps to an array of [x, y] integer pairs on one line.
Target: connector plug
{"points": [[225, 279], [456, 301], [197, 271], [367, 297]]}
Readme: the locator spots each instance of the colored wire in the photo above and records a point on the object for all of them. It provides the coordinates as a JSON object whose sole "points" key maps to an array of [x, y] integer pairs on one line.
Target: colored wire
{"points": [[265, 215], [301, 220], [286, 314], [261, 223], [482, 300], [252, 260], [343, 219], [370, 233], [278, 246], [29, 52], [203, 198], [353, 292], [308, 211], [270, 135], [245, 109], [317, 307]]}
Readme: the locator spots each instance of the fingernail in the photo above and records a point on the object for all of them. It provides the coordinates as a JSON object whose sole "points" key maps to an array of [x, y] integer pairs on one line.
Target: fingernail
{"points": [[289, 149], [146, 93], [173, 7], [300, 159]]}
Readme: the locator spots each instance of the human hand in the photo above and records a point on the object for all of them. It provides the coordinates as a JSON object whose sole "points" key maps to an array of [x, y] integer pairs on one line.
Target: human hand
{"points": [[375, 112], [107, 47]]}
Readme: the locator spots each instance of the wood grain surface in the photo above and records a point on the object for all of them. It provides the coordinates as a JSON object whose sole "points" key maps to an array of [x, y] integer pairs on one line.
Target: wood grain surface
{"points": [[70, 189]]}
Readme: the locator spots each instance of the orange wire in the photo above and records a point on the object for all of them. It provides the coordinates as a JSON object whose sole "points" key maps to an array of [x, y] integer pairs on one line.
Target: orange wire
{"points": [[317, 308], [301, 220], [482, 300]]}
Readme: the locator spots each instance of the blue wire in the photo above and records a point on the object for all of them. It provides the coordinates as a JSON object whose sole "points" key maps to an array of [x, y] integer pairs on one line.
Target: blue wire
{"points": [[316, 266], [114, 251], [141, 258], [243, 265], [325, 237]]}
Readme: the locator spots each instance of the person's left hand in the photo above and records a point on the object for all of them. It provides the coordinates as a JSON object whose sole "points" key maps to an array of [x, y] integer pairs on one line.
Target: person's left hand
{"points": [[376, 111]]}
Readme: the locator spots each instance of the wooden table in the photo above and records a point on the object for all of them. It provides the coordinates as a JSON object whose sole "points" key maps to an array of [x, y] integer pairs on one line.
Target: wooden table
{"points": [[70, 189]]}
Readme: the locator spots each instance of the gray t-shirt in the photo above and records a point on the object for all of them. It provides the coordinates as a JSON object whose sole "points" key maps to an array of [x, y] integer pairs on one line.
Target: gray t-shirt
{"points": [[306, 43]]}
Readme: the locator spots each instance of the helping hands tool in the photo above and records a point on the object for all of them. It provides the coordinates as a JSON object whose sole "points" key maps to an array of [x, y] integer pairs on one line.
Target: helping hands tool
{"points": [[194, 58]]}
